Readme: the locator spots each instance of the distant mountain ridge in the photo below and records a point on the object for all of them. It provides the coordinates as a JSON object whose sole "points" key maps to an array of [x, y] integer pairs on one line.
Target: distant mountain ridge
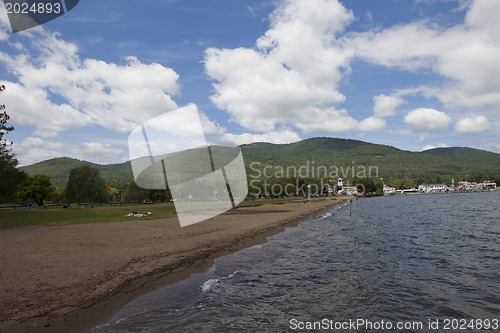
{"points": [[397, 167], [115, 175]]}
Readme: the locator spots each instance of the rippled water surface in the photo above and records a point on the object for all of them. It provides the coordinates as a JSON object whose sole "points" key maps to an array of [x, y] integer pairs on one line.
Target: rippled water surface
{"points": [[410, 258]]}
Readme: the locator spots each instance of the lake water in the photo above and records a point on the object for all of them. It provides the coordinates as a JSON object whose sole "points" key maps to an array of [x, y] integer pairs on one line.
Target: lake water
{"points": [[424, 262]]}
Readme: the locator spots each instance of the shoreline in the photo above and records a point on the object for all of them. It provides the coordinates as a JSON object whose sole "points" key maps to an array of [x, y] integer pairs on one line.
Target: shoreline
{"points": [[76, 277]]}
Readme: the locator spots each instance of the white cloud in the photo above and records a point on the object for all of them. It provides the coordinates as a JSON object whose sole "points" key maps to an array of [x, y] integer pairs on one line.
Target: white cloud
{"points": [[290, 79], [466, 54], [385, 106], [440, 145], [292, 76], [210, 127], [32, 150], [59, 91], [31, 106], [4, 26], [35, 149], [325, 120], [372, 124], [427, 120], [472, 125], [278, 137]]}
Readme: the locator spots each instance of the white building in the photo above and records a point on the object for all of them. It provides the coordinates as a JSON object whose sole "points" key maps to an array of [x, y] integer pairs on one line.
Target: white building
{"points": [[433, 188], [388, 190], [350, 190], [469, 186], [490, 185]]}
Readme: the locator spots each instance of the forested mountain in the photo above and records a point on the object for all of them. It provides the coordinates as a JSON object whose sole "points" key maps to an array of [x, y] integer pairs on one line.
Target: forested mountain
{"points": [[337, 156], [397, 167], [116, 175]]}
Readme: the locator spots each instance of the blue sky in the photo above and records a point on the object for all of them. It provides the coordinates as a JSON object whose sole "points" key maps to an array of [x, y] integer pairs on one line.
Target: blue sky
{"points": [[410, 74]]}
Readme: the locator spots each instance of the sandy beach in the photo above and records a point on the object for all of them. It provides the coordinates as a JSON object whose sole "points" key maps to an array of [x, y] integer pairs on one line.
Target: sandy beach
{"points": [[70, 278]]}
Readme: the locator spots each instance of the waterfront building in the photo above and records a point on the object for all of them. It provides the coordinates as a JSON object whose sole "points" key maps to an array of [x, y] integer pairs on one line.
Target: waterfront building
{"points": [[469, 186], [328, 190], [489, 185], [433, 188], [408, 191], [388, 190], [350, 190]]}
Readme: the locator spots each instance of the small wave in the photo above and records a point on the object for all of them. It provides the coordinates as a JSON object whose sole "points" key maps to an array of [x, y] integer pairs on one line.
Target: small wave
{"points": [[209, 285], [232, 275], [257, 246]]}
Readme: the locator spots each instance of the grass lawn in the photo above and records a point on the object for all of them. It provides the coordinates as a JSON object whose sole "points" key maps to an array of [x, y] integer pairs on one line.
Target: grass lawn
{"points": [[23, 217]]}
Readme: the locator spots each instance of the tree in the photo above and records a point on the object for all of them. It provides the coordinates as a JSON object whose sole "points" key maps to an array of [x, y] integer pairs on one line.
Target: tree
{"points": [[364, 185], [10, 176], [37, 188], [85, 184], [7, 158], [136, 193], [10, 182]]}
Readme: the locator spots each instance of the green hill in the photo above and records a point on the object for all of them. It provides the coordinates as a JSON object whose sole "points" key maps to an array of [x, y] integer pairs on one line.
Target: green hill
{"points": [[116, 175], [397, 167]]}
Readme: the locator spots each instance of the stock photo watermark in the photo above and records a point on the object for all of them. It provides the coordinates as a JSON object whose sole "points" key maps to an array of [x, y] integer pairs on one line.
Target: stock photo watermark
{"points": [[170, 151], [26, 14], [309, 179], [446, 324]]}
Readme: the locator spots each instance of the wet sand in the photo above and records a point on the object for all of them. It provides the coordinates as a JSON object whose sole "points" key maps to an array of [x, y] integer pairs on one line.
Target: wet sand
{"points": [[70, 278]]}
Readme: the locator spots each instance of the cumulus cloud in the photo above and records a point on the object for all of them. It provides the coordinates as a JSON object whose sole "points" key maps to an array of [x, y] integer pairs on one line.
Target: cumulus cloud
{"points": [[4, 26], [466, 54], [472, 125], [427, 120], [278, 137], [95, 151], [439, 145], [34, 149], [326, 120], [31, 106], [372, 124], [290, 79], [292, 76], [59, 91], [385, 106], [297, 66]]}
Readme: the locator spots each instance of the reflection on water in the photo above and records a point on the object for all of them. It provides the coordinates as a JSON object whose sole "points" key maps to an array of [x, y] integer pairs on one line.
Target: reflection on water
{"points": [[401, 258]]}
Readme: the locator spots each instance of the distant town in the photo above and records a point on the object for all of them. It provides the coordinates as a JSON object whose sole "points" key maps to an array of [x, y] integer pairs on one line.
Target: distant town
{"points": [[463, 186], [342, 188]]}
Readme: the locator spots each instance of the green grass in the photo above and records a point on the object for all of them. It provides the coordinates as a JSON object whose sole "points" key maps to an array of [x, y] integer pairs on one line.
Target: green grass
{"points": [[22, 217]]}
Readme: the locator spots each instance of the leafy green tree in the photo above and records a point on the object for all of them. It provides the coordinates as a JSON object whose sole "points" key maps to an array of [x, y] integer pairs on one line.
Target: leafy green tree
{"points": [[137, 193], [85, 184], [365, 185], [7, 158], [10, 182], [37, 188], [10, 176]]}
